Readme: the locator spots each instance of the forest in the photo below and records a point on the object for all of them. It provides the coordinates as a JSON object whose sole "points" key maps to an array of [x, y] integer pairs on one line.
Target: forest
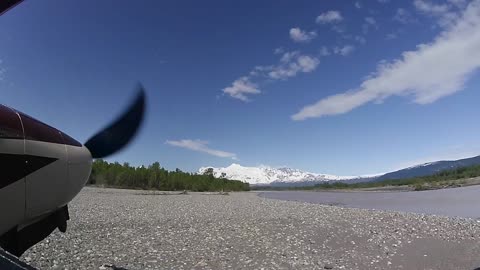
{"points": [[155, 177]]}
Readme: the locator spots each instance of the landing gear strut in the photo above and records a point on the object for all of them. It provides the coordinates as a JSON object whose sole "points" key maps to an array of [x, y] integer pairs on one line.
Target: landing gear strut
{"points": [[18, 241]]}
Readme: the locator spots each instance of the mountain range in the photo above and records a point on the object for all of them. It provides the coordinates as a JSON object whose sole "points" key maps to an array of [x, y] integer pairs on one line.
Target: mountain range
{"points": [[265, 175]]}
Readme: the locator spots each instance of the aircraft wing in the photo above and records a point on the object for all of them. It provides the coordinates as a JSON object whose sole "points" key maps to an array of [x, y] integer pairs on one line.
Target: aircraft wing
{"points": [[10, 262]]}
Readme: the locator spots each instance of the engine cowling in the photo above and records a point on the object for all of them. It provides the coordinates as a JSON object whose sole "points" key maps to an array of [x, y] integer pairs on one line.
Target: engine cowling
{"points": [[48, 168], [42, 169]]}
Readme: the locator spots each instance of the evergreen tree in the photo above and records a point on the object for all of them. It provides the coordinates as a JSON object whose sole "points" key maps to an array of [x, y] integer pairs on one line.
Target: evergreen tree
{"points": [[155, 177]]}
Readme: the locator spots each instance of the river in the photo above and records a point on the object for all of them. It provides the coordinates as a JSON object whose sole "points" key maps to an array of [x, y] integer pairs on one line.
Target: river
{"points": [[452, 202]]}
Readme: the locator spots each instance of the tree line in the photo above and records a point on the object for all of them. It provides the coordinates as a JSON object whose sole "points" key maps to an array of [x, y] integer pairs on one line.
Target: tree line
{"points": [[157, 178]]}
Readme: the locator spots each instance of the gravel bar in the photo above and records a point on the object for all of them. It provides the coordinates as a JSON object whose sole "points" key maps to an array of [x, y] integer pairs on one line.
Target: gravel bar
{"points": [[125, 229]]}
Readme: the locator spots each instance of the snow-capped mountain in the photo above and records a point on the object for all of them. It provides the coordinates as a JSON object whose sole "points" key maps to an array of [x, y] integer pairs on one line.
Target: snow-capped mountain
{"points": [[265, 175]]}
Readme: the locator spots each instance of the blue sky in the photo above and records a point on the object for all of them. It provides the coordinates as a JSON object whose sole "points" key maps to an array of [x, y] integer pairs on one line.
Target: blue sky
{"points": [[339, 87]]}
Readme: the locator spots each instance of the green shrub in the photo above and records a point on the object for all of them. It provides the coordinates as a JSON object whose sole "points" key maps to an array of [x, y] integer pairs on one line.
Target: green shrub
{"points": [[419, 187]]}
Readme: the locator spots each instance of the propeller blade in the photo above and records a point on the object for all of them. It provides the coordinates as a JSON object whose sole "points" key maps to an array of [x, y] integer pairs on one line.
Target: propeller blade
{"points": [[119, 133]]}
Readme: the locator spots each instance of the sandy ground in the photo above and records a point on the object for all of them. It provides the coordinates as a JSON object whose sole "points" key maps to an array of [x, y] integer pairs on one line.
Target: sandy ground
{"points": [[136, 230]]}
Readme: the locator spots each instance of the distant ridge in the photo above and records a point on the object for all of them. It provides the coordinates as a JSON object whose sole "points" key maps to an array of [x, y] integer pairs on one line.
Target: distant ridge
{"points": [[430, 168], [265, 175]]}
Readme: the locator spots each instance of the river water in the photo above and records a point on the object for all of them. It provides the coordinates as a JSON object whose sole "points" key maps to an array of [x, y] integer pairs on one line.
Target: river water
{"points": [[453, 202]]}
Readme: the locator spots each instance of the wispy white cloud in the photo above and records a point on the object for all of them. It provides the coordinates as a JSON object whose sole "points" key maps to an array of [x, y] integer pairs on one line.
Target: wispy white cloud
{"points": [[240, 88], [338, 28], [299, 35], [430, 72], [428, 7], [324, 51], [403, 16], [360, 39], [290, 65], [443, 12], [2, 71], [331, 16], [278, 50], [369, 22], [458, 3], [344, 51], [358, 5], [383, 1], [201, 146], [391, 36]]}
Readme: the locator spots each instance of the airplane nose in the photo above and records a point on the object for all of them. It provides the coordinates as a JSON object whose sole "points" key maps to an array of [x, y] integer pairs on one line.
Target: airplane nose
{"points": [[79, 169]]}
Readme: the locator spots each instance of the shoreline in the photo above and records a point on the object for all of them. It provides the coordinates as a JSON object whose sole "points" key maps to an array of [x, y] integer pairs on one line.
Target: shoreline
{"points": [[446, 184]]}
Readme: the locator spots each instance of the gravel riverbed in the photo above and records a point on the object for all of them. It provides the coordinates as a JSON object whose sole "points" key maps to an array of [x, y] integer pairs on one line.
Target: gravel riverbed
{"points": [[140, 230]]}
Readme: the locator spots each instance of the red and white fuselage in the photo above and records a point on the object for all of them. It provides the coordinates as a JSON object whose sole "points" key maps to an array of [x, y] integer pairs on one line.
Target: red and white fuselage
{"points": [[41, 169]]}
